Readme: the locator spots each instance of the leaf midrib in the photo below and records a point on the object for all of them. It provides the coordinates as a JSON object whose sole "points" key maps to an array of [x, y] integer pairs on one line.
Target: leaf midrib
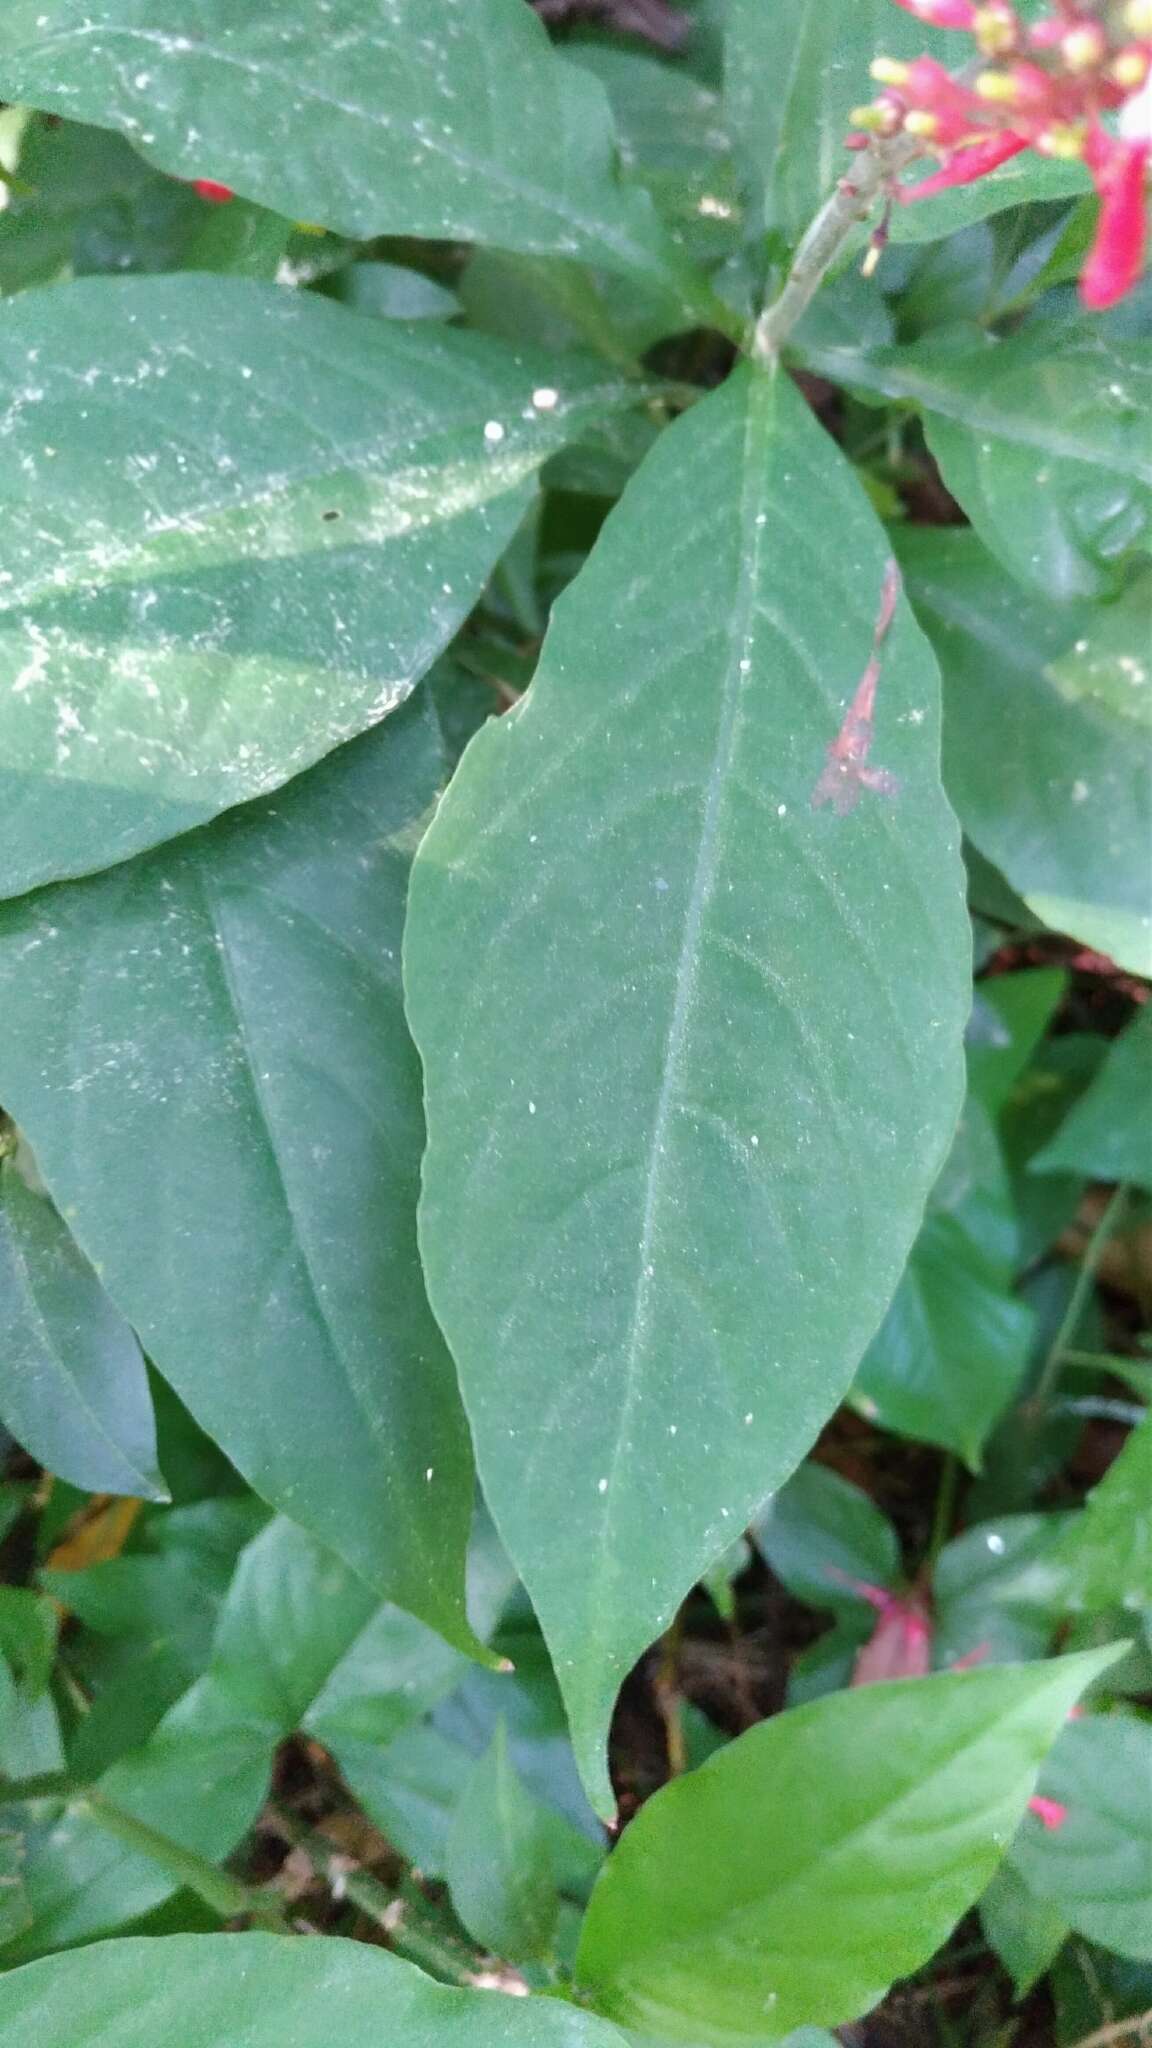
{"points": [[754, 493]]}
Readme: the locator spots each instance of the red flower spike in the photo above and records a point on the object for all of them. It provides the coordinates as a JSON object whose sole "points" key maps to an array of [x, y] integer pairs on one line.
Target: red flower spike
{"points": [[1119, 171], [964, 166], [900, 1645], [1051, 1813], [217, 195]]}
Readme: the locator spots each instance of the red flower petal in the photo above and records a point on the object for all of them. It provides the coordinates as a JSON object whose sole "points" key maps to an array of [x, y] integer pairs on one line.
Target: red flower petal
{"points": [[942, 13], [964, 166], [1119, 171]]}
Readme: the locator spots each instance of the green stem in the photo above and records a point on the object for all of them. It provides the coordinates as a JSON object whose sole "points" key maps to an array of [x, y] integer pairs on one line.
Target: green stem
{"points": [[945, 1511], [47, 1785], [225, 1894], [826, 238], [410, 1929], [1070, 1321]]}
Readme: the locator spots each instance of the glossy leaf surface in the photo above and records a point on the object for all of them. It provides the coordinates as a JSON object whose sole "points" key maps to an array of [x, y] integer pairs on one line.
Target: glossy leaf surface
{"points": [[1038, 436], [499, 1863], [746, 1009], [1062, 802], [1108, 1133], [241, 525], [1096, 1866], [73, 1384], [857, 1831], [461, 124], [954, 1345], [226, 1015], [188, 1991]]}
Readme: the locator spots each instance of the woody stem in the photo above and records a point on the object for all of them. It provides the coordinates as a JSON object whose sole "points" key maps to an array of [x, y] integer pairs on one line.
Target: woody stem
{"points": [[826, 237]]}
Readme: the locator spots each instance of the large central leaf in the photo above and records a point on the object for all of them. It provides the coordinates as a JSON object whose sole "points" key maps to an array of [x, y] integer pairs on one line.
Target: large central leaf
{"points": [[207, 1049], [240, 525], [680, 1027], [448, 120]]}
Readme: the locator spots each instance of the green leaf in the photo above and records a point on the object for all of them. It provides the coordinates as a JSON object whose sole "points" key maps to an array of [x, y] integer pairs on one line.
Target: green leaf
{"points": [[1061, 802], [1001, 1589], [1010, 1014], [241, 524], [1039, 438], [856, 1833], [207, 1049], [302, 1645], [148, 1624], [1095, 1866], [1107, 1550], [1102, 1136], [239, 240], [745, 1010], [1025, 1931], [73, 1384], [390, 292], [1108, 668], [189, 1989], [29, 1626], [673, 140], [819, 1532], [500, 1870], [1026, 180], [84, 202], [14, 1909], [1091, 1988], [29, 1731], [464, 125], [954, 1345]]}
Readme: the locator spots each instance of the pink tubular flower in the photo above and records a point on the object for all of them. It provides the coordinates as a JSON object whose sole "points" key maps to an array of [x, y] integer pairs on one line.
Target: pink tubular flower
{"points": [[900, 1645], [1116, 263], [1044, 87], [964, 166], [218, 195]]}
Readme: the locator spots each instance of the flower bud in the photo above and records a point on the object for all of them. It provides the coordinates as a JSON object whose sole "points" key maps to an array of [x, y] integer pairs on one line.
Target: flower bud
{"points": [[942, 13], [1084, 47], [1064, 140], [997, 29], [1130, 68], [998, 87]]}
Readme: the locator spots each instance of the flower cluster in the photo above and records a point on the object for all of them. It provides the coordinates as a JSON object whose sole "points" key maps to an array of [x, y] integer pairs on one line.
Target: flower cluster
{"points": [[1045, 87]]}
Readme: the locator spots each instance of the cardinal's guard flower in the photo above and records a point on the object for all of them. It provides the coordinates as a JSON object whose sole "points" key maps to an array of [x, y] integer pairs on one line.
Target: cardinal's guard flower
{"points": [[1044, 86]]}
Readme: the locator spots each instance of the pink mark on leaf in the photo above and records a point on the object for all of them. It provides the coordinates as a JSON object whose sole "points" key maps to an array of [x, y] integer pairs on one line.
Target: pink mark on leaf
{"points": [[846, 770], [1051, 1813]]}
